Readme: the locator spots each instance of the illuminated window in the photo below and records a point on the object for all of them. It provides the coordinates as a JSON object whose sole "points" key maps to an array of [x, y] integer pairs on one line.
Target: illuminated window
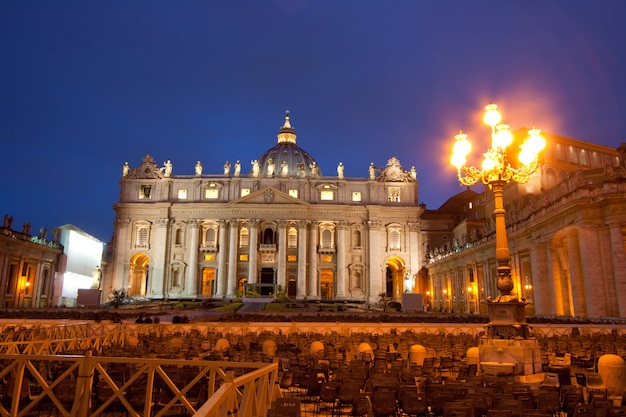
{"points": [[596, 161], [292, 238], [471, 205], [572, 155], [245, 192], [145, 192], [293, 193], [327, 258], [182, 194], [211, 193], [244, 237], [559, 152], [356, 196], [584, 157], [393, 194], [292, 258], [209, 257], [327, 195], [243, 257]]}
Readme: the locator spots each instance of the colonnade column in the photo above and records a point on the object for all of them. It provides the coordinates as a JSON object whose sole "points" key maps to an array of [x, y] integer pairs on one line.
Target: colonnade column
{"points": [[118, 278], [594, 290], [221, 261], [231, 291], [191, 284], [376, 270], [576, 275], [301, 287], [313, 287], [619, 265], [157, 277], [281, 275], [341, 260], [252, 257], [541, 278]]}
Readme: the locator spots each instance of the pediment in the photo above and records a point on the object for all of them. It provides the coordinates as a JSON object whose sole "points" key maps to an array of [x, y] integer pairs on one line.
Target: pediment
{"points": [[268, 195]]}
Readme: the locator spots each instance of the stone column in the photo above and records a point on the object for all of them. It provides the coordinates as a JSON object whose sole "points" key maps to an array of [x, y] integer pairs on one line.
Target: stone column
{"points": [[231, 290], [222, 276], [254, 250], [603, 259], [301, 287], [341, 260], [118, 278], [281, 274], [414, 254], [619, 265], [541, 289], [160, 243], [191, 283], [313, 284], [376, 271], [576, 275], [591, 266]]}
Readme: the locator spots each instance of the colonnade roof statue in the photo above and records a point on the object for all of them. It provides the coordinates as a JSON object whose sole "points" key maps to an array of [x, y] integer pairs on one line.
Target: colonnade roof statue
{"points": [[284, 160]]}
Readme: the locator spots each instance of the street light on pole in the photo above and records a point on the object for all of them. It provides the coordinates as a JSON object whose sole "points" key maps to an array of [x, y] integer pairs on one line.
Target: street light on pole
{"points": [[496, 171]]}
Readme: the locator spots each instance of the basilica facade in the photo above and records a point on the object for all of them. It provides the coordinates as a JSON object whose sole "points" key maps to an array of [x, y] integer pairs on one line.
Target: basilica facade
{"points": [[282, 227]]}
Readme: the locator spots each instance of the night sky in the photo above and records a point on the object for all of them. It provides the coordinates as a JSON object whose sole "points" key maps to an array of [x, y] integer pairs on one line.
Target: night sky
{"points": [[88, 85]]}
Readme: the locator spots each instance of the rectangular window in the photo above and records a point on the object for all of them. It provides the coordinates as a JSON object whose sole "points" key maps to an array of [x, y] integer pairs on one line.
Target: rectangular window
{"points": [[327, 258], [559, 152], [356, 196], [145, 192], [209, 257], [182, 194], [584, 157], [293, 193], [211, 193], [292, 258], [572, 155], [245, 192], [243, 257], [327, 195]]}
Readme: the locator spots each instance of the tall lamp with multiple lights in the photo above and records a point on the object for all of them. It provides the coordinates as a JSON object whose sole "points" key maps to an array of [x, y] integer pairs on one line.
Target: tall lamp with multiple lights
{"points": [[496, 171]]}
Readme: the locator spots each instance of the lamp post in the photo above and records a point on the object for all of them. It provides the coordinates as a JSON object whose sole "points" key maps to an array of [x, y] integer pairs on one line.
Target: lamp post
{"points": [[496, 171]]}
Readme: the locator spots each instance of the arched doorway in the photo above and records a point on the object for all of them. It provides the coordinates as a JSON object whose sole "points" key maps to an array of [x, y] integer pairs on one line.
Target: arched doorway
{"points": [[394, 278], [138, 275]]}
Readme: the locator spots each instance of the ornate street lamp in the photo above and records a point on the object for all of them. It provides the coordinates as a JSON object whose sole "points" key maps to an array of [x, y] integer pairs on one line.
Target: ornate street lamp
{"points": [[496, 171]]}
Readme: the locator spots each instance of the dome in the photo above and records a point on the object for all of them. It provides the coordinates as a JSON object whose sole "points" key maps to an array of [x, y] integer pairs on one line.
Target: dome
{"points": [[286, 159]]}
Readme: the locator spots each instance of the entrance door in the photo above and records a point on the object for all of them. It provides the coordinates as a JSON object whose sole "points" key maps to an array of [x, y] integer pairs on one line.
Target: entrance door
{"points": [[327, 284], [267, 281], [208, 282]]}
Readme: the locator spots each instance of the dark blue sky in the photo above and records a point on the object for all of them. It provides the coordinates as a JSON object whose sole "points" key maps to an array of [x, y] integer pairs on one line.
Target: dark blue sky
{"points": [[87, 85]]}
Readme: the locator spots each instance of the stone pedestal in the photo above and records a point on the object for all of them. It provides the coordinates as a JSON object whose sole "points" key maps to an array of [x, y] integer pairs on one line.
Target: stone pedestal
{"points": [[508, 341]]}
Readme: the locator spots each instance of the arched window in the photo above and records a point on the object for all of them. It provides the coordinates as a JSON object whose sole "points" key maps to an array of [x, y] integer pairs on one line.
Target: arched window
{"points": [[356, 238], [327, 239], [292, 238], [210, 236], [244, 237]]}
